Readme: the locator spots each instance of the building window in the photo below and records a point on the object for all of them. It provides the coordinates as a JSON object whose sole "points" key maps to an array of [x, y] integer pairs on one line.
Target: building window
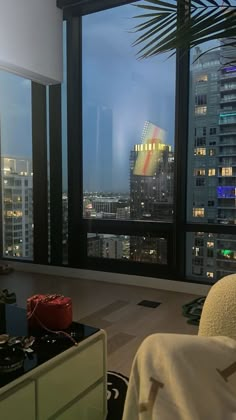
{"points": [[211, 203], [211, 172], [129, 248], [200, 110], [212, 152], [197, 270], [16, 170], [210, 244], [210, 253], [198, 212], [199, 172], [200, 182], [200, 99], [202, 78], [198, 261], [227, 171], [199, 242], [200, 141], [200, 151], [125, 176], [212, 130], [210, 274]]}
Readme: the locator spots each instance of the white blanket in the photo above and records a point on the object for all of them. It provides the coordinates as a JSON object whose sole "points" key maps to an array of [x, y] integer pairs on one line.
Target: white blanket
{"points": [[183, 377]]}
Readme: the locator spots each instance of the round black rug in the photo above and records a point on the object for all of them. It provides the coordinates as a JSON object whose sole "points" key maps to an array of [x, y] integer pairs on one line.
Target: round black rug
{"points": [[116, 392]]}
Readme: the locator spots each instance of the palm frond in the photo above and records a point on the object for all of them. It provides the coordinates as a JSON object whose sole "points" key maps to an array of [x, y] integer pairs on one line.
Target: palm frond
{"points": [[161, 30]]}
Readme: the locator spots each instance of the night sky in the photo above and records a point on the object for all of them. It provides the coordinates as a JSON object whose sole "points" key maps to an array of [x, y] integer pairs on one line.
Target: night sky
{"points": [[120, 92]]}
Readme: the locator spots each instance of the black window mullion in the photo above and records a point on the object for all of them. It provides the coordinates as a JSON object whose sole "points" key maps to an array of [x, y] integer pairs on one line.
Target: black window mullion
{"points": [[181, 148], [1, 207], [77, 240], [125, 227], [211, 228], [40, 179], [55, 147]]}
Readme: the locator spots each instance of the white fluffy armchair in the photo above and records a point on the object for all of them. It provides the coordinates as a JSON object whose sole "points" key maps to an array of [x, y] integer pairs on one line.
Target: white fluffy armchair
{"points": [[219, 312], [184, 377]]}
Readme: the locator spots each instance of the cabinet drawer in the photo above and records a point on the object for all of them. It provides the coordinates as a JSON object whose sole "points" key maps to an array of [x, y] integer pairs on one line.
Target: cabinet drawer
{"points": [[65, 381], [20, 404], [90, 407]]}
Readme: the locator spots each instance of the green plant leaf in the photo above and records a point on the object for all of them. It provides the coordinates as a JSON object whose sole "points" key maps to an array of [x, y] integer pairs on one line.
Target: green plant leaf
{"points": [[153, 31], [208, 21], [151, 22], [157, 9], [169, 28], [154, 15]]}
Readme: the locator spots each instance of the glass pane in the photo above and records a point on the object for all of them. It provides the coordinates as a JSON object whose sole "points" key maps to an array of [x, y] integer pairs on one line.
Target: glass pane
{"points": [[212, 136], [133, 248], [210, 256], [16, 161], [128, 123]]}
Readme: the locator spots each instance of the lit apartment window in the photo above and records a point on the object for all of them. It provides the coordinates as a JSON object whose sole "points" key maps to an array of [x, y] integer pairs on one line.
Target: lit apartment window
{"points": [[212, 152], [198, 212], [227, 171], [199, 172], [211, 172], [200, 151], [200, 110], [210, 274], [202, 78], [210, 244]]}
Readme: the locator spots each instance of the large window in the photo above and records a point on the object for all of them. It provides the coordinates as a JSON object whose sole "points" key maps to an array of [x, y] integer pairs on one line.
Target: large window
{"points": [[128, 123], [135, 192], [16, 166]]}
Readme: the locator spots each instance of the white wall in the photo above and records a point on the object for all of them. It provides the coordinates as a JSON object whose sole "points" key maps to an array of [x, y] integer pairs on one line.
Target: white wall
{"points": [[31, 39]]}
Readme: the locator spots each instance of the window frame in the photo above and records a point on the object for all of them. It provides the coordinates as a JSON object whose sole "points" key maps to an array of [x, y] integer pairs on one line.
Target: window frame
{"points": [[78, 227]]}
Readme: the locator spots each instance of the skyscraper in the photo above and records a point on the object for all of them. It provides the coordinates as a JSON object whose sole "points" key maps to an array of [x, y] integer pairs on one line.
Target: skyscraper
{"points": [[17, 208], [151, 177], [151, 191], [97, 148], [211, 160]]}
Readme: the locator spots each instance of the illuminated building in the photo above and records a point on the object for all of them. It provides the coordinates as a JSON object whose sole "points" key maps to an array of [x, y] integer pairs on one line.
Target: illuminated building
{"points": [[107, 246], [212, 163], [151, 177], [151, 191], [17, 207]]}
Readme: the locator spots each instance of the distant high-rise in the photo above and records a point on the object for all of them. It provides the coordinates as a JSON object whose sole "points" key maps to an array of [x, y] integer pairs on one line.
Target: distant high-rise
{"points": [[98, 148], [151, 191], [211, 162], [151, 177], [17, 207]]}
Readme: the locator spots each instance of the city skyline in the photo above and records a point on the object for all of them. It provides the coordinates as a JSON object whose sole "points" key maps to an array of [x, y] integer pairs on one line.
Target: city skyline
{"points": [[134, 91]]}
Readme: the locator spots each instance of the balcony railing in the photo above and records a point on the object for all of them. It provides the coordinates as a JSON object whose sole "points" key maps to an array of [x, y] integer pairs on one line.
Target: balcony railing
{"points": [[228, 76], [227, 120], [232, 86]]}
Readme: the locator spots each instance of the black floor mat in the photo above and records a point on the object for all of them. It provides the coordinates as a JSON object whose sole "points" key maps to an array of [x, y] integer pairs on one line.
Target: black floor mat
{"points": [[149, 303]]}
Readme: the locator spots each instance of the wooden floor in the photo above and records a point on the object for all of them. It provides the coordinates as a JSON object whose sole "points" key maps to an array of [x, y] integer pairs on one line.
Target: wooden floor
{"points": [[112, 307]]}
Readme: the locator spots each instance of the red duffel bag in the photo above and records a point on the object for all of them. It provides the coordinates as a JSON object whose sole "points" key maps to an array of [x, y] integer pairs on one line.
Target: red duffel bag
{"points": [[52, 312]]}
